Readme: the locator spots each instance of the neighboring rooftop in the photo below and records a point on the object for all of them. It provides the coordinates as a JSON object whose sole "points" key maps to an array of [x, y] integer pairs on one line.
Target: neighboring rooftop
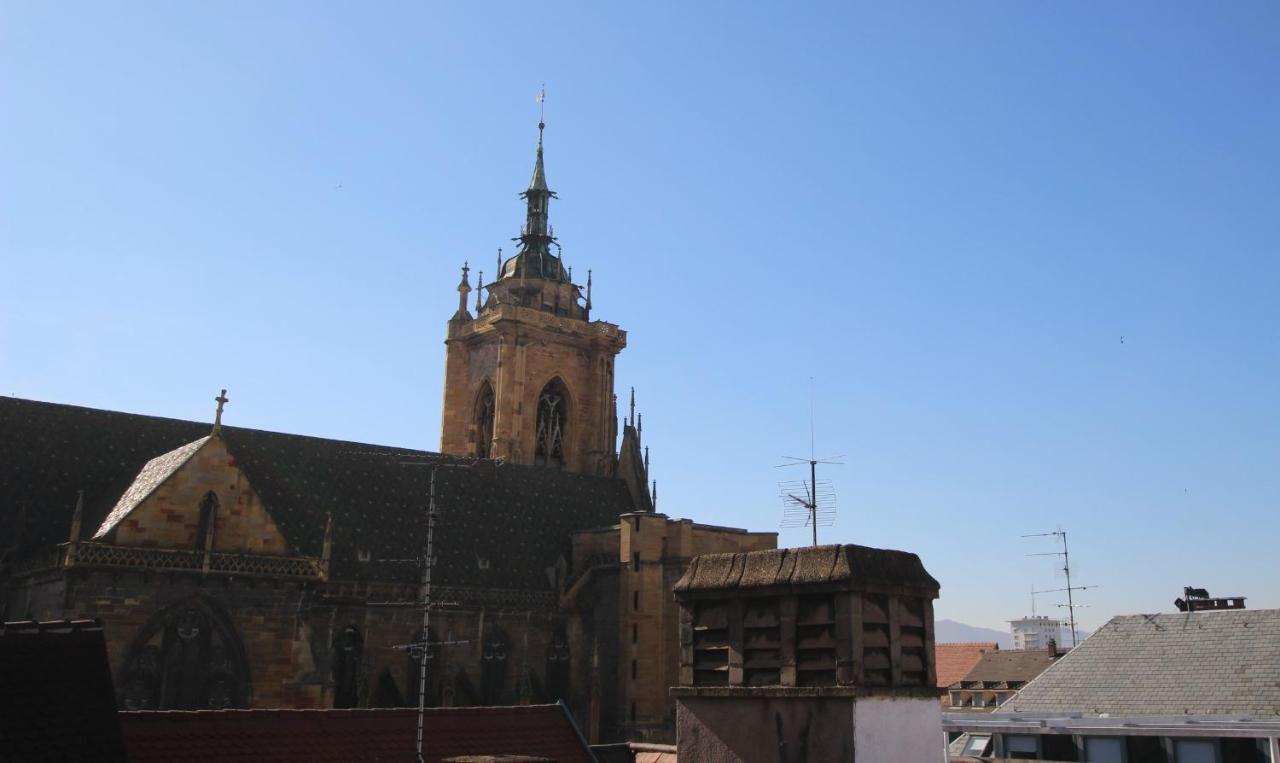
{"points": [[1197, 663], [807, 565], [1006, 669], [57, 700], [340, 736], [954, 661]]}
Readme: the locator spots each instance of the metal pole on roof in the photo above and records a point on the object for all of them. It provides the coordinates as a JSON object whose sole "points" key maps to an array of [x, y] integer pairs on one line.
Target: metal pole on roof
{"points": [[427, 565]]}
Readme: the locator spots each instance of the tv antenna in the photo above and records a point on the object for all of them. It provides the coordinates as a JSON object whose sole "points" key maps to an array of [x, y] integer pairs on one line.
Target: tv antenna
{"points": [[421, 649], [1070, 606], [808, 503]]}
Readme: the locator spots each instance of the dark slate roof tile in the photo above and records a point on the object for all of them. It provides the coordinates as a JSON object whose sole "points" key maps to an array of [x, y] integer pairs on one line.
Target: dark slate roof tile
{"points": [[500, 526]]}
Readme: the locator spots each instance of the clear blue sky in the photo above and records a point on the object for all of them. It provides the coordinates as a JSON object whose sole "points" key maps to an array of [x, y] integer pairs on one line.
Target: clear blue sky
{"points": [[947, 214]]}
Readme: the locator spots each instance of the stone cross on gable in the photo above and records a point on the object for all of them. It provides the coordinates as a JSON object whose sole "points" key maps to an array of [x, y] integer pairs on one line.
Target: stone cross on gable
{"points": [[221, 400]]}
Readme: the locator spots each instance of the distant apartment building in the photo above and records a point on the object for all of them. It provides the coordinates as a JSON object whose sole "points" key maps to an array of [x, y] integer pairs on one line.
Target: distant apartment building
{"points": [[1036, 632]]}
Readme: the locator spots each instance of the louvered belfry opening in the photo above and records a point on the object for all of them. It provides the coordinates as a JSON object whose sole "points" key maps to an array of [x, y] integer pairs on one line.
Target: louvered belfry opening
{"points": [[822, 616]]}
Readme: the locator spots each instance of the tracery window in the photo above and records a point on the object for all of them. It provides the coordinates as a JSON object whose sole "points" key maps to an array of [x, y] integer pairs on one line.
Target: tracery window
{"points": [[434, 663], [345, 659], [188, 657], [558, 666], [493, 666], [553, 405], [484, 421]]}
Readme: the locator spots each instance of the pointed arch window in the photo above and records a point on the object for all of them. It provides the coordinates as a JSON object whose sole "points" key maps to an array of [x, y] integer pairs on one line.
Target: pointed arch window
{"points": [[484, 421], [208, 515], [345, 658], [553, 410], [187, 657], [493, 666]]}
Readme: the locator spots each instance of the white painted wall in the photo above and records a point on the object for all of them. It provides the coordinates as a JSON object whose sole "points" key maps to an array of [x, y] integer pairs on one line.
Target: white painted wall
{"points": [[898, 730]]}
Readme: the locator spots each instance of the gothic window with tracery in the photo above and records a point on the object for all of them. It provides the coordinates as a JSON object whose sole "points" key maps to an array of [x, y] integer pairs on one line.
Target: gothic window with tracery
{"points": [[553, 404], [493, 666], [484, 421], [188, 657], [434, 663], [557, 670]]}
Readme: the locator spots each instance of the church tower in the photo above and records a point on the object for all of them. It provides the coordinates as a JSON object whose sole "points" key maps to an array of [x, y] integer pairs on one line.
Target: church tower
{"points": [[529, 377]]}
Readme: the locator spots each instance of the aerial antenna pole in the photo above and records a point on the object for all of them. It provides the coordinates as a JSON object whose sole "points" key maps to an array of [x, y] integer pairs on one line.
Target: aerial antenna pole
{"points": [[1061, 535], [818, 504]]}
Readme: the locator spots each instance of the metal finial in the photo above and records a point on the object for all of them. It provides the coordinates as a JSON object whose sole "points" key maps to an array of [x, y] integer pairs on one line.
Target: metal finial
{"points": [[541, 98], [465, 269], [570, 274], [221, 400]]}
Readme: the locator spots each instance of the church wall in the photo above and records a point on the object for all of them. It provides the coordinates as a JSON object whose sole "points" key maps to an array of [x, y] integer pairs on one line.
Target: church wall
{"points": [[648, 625], [170, 516], [267, 617]]}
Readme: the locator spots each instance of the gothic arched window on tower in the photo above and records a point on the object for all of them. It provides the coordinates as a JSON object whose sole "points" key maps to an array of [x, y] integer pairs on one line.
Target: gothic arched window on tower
{"points": [[553, 405], [484, 421]]}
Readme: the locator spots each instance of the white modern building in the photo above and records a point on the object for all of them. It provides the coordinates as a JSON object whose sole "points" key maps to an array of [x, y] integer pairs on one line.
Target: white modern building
{"points": [[1035, 632]]}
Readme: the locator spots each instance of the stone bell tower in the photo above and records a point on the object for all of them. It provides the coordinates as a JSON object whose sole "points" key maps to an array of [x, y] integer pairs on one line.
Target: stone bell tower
{"points": [[529, 377]]}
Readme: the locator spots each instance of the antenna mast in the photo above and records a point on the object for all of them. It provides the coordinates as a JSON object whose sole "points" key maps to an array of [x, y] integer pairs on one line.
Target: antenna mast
{"points": [[818, 504], [1061, 535]]}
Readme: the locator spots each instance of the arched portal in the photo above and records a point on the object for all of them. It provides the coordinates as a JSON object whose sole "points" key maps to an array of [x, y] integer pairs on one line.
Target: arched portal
{"points": [[187, 657], [552, 425]]}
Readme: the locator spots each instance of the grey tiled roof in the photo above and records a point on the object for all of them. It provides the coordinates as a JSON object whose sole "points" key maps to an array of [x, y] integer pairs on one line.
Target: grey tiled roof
{"points": [[1198, 663], [152, 476]]}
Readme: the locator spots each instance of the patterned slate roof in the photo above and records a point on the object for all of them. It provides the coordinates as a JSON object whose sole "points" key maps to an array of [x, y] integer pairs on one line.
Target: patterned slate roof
{"points": [[1198, 663], [341, 736], [56, 698], [499, 526], [956, 659], [152, 476]]}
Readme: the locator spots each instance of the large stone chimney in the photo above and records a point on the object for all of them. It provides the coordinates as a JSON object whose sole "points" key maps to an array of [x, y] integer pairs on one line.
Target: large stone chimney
{"points": [[816, 653]]}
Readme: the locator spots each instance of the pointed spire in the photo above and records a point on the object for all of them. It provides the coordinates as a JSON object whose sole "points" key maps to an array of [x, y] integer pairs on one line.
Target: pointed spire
{"points": [[535, 259], [631, 420], [654, 498], [646, 460], [498, 277], [639, 424], [221, 400], [479, 290], [464, 289], [539, 180], [588, 290]]}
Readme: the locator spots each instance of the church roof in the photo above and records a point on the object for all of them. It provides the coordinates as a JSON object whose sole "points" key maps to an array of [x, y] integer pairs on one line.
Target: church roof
{"points": [[152, 476], [499, 526]]}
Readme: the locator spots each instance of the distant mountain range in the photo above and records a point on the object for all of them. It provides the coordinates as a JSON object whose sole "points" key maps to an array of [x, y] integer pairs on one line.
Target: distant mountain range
{"points": [[950, 631]]}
